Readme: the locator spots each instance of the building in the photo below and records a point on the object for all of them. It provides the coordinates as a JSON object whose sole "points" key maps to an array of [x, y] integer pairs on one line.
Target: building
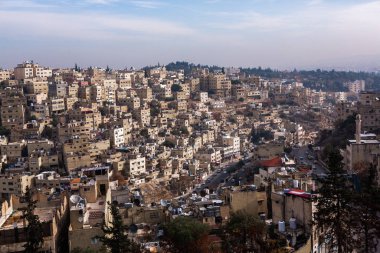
{"points": [[13, 108], [364, 149], [29, 70], [117, 137], [356, 86]]}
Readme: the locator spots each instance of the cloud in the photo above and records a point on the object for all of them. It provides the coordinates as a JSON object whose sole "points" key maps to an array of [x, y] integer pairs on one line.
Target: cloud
{"points": [[87, 26], [24, 4], [104, 2], [315, 2], [147, 4]]}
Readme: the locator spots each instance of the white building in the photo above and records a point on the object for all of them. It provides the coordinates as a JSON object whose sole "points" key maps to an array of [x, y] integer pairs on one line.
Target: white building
{"points": [[117, 137], [232, 141], [136, 165], [356, 86]]}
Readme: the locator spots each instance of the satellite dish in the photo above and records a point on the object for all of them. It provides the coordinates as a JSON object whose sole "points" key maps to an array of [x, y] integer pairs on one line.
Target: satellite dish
{"points": [[80, 219], [163, 202], [75, 199], [80, 205]]}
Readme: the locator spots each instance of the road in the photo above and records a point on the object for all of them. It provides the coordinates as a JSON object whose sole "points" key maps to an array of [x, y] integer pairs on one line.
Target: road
{"points": [[221, 176], [301, 155]]}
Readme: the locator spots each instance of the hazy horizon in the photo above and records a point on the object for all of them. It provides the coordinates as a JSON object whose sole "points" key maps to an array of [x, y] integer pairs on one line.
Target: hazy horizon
{"points": [[301, 34]]}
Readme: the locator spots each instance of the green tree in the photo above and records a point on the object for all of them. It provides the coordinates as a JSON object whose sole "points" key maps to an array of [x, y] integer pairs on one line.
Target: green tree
{"points": [[176, 88], [244, 233], [115, 236], [155, 108], [54, 121], [168, 144], [184, 130], [185, 235], [87, 250], [144, 133], [334, 207], [4, 131], [34, 230], [365, 209]]}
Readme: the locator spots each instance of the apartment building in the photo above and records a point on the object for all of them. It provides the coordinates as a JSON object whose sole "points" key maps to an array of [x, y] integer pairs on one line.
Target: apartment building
{"points": [[369, 109], [13, 108], [117, 137], [15, 184], [29, 70], [36, 87], [233, 141], [356, 86], [135, 165], [66, 131], [4, 75]]}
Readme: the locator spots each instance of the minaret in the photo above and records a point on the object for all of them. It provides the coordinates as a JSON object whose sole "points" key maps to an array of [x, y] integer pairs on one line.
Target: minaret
{"points": [[358, 128]]}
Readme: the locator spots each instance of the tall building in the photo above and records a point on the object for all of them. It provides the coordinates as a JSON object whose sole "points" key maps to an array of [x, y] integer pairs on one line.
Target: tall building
{"points": [[13, 111], [356, 86], [29, 70]]}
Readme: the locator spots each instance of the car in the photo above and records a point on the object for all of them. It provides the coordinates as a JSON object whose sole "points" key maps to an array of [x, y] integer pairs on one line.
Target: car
{"points": [[219, 170]]}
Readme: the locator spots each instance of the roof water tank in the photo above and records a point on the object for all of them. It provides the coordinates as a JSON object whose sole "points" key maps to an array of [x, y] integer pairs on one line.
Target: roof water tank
{"points": [[281, 226], [292, 223], [295, 183]]}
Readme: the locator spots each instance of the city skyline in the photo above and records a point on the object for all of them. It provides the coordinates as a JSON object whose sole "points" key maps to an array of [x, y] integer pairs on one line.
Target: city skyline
{"points": [[278, 34]]}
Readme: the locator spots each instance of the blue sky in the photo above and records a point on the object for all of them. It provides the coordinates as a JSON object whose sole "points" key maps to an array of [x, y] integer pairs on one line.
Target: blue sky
{"points": [[283, 34]]}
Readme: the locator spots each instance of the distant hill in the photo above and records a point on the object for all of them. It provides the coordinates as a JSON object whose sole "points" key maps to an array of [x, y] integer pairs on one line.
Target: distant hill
{"points": [[325, 80]]}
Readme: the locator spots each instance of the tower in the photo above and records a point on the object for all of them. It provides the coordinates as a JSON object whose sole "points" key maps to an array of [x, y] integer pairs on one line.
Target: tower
{"points": [[358, 128]]}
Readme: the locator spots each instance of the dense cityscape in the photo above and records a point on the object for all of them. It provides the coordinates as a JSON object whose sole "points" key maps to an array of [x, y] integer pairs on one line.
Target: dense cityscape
{"points": [[202, 126], [202, 159]]}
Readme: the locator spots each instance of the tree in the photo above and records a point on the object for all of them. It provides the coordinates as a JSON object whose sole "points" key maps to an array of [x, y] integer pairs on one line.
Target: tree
{"points": [[184, 130], [244, 233], [168, 144], [176, 88], [87, 250], [34, 230], [115, 236], [334, 206], [185, 235], [54, 121], [144, 133], [4, 131], [155, 108], [366, 210]]}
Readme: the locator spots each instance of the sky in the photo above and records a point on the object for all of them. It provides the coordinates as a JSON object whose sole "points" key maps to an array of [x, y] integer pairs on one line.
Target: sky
{"points": [[281, 34]]}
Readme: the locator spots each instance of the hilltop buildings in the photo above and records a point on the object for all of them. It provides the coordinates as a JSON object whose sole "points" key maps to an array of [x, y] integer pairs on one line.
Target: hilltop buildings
{"points": [[82, 138]]}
